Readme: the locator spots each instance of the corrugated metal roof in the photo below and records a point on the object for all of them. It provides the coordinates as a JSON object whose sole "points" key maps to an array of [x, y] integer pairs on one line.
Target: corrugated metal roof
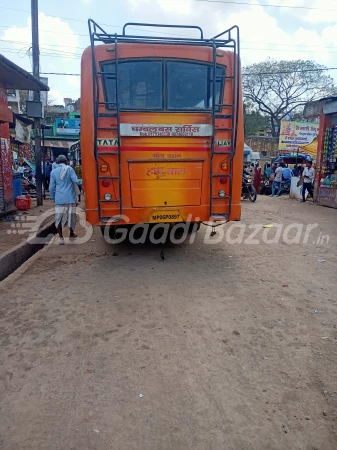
{"points": [[14, 77]]}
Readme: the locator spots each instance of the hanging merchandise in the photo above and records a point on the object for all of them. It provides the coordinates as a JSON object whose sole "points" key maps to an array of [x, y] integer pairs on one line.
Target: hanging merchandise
{"points": [[22, 131]]}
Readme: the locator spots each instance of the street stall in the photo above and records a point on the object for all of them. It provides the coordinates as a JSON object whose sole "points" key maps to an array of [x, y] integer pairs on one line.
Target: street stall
{"points": [[326, 173], [11, 77], [310, 149], [20, 141], [292, 159]]}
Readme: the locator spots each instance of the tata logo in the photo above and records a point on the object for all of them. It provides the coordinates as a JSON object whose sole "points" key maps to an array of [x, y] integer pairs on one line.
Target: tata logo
{"points": [[223, 143], [107, 142]]}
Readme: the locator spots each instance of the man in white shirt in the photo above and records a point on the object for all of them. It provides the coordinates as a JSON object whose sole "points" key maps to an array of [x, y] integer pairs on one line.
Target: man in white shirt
{"points": [[277, 181], [309, 177]]}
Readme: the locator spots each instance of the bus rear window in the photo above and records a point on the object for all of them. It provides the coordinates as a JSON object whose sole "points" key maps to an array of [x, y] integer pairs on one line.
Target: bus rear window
{"points": [[163, 85], [190, 87], [139, 85]]}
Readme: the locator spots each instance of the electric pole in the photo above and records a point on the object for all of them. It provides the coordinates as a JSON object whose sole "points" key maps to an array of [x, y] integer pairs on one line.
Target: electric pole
{"points": [[37, 122]]}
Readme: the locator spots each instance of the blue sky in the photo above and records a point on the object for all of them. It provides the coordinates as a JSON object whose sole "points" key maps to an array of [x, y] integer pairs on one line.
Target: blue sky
{"points": [[282, 33]]}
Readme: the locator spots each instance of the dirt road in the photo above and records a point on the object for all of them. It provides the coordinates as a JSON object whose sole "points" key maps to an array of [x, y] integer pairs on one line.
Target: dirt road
{"points": [[233, 346]]}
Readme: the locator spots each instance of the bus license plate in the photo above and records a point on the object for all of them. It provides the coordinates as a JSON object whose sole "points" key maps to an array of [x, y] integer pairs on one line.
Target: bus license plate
{"points": [[166, 216]]}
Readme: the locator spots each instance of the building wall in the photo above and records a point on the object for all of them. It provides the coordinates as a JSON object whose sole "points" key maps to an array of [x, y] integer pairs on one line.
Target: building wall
{"points": [[266, 146], [13, 98]]}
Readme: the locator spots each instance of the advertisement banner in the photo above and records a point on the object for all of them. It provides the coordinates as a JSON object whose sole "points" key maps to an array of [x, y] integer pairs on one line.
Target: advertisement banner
{"points": [[294, 134], [68, 127]]}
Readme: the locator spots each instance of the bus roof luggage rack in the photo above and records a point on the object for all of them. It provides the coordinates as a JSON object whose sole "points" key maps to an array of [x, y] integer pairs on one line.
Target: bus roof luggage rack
{"points": [[98, 34]]}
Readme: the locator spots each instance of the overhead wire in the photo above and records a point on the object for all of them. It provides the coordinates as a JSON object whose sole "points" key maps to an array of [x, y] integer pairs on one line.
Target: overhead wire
{"points": [[242, 40], [232, 2], [175, 34], [45, 47]]}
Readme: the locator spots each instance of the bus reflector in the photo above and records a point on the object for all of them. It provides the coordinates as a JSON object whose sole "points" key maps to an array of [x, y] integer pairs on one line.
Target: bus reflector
{"points": [[104, 168], [106, 183], [223, 180]]}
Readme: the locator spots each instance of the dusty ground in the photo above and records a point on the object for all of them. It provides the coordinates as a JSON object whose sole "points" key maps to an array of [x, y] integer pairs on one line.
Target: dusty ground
{"points": [[15, 227], [224, 342]]}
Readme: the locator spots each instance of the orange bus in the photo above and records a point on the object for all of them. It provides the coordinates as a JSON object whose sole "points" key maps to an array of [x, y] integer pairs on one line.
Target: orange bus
{"points": [[161, 127]]}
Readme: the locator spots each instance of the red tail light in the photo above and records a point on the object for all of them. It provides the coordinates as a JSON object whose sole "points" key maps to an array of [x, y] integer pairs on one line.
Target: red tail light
{"points": [[106, 183], [223, 180]]}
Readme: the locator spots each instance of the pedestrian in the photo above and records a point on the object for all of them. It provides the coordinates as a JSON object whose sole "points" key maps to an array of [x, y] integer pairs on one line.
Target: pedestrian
{"points": [[309, 177], [55, 164], [48, 168], [245, 170], [257, 177], [296, 171], [62, 190], [267, 171], [287, 173], [277, 183]]}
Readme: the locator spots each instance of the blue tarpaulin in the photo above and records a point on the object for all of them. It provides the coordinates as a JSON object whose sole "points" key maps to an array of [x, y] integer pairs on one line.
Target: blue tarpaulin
{"points": [[291, 158]]}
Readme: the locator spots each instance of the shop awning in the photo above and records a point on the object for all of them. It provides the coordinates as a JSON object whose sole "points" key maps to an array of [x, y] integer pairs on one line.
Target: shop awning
{"points": [[14, 77], [58, 144], [292, 158], [310, 149]]}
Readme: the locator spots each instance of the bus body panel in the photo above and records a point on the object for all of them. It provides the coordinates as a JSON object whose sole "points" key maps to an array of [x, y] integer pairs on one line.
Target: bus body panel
{"points": [[157, 174]]}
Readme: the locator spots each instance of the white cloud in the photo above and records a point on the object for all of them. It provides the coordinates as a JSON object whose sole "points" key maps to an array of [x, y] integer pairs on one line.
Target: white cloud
{"points": [[73, 81], [262, 35], [64, 41], [176, 6], [325, 11], [59, 52], [313, 11], [55, 97]]}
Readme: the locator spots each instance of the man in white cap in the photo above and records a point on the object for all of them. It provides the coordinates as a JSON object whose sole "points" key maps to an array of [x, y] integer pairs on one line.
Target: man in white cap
{"points": [[63, 181]]}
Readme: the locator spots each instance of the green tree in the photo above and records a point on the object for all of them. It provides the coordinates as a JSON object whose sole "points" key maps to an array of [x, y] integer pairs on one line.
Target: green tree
{"points": [[253, 119], [279, 88]]}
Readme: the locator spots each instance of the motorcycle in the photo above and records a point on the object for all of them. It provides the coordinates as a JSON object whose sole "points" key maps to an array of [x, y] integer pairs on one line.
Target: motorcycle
{"points": [[266, 187], [248, 190]]}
